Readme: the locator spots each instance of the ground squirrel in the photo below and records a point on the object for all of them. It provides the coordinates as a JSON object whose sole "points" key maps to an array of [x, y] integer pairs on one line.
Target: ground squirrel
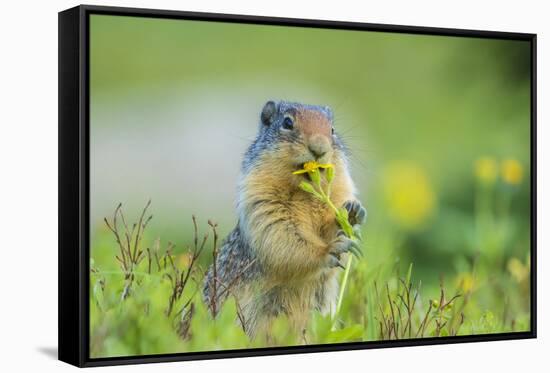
{"points": [[284, 255]]}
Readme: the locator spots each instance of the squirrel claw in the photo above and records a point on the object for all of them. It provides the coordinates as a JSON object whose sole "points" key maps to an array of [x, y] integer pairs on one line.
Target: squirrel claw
{"points": [[357, 232], [334, 261], [355, 249], [356, 212], [343, 244]]}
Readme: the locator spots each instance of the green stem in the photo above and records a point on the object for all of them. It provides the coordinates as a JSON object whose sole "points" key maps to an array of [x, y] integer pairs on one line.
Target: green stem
{"points": [[346, 227], [342, 291], [325, 198], [331, 205]]}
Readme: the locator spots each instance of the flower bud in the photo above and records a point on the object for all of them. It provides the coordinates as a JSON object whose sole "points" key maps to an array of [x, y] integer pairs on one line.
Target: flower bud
{"points": [[307, 187], [315, 176]]}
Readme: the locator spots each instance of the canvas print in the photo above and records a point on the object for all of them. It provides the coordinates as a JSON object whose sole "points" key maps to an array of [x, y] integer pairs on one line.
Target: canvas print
{"points": [[261, 186]]}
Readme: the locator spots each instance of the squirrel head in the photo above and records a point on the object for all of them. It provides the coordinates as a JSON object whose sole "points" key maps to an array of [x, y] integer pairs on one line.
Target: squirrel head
{"points": [[299, 133]]}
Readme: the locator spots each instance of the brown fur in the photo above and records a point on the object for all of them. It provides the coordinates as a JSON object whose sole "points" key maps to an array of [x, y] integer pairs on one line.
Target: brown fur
{"points": [[311, 123], [290, 232]]}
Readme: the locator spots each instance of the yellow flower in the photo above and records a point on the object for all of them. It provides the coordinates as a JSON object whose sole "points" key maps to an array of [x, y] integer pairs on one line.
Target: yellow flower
{"points": [[184, 260], [465, 282], [312, 166], [409, 194], [518, 270], [512, 171], [486, 170]]}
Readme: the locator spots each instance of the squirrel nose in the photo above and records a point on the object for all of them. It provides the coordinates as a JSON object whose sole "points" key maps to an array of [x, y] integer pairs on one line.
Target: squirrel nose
{"points": [[317, 153], [318, 146]]}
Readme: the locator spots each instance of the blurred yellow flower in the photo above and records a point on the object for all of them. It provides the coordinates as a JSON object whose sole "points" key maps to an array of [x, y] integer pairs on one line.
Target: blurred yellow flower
{"points": [[518, 270], [465, 282], [184, 260], [408, 193], [511, 171], [486, 170]]}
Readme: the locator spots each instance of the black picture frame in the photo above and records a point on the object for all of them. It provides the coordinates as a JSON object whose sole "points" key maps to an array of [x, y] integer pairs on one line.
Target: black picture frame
{"points": [[74, 184]]}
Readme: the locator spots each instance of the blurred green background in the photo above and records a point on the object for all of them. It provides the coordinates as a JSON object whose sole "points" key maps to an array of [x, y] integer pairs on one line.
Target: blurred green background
{"points": [[438, 127]]}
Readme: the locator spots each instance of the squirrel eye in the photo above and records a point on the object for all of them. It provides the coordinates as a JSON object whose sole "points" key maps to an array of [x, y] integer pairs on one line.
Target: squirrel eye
{"points": [[333, 130], [288, 123]]}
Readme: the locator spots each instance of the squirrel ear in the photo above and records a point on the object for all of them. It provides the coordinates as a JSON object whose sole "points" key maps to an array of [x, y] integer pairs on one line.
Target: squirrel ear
{"points": [[329, 113], [268, 113]]}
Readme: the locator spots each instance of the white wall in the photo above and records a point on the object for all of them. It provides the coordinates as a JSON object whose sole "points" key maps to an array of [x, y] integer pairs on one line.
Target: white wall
{"points": [[28, 188]]}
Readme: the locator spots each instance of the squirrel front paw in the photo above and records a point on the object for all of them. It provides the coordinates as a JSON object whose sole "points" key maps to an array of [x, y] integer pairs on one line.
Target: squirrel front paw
{"points": [[341, 245], [357, 215]]}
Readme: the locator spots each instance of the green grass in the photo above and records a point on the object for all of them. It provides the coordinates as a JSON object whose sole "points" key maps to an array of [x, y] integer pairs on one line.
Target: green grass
{"points": [[145, 293]]}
